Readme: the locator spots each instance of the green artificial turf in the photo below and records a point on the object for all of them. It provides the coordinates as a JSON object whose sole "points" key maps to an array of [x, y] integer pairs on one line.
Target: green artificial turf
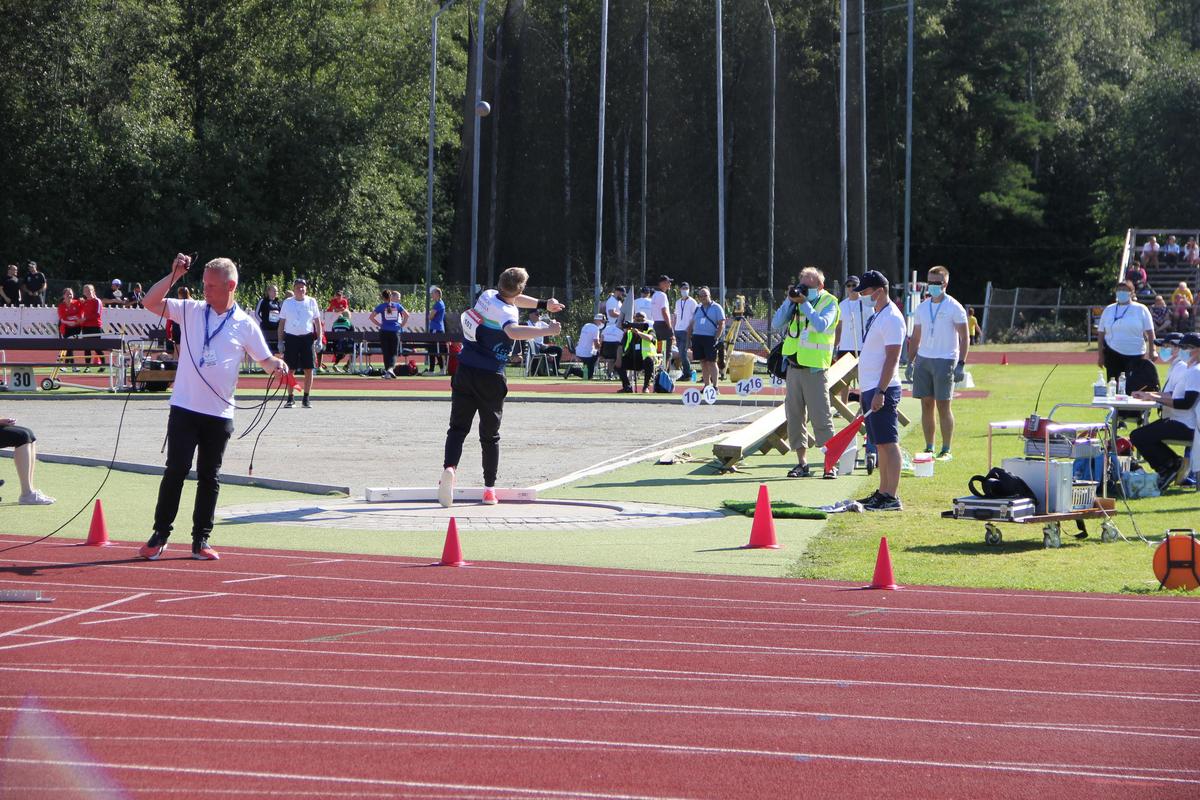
{"points": [[780, 509]]}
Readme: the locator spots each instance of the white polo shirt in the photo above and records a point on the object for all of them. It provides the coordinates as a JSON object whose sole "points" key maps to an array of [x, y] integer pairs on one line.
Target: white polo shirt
{"points": [[658, 304], [612, 325], [1124, 327], [854, 316], [1188, 381], [1178, 367], [208, 388], [937, 321], [644, 305], [299, 315]]}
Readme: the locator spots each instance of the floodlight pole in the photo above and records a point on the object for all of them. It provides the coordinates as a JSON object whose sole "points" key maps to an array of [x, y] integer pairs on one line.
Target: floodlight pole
{"points": [[433, 49], [862, 118], [475, 151], [600, 142], [843, 253], [908, 142], [720, 158], [645, 127], [771, 169]]}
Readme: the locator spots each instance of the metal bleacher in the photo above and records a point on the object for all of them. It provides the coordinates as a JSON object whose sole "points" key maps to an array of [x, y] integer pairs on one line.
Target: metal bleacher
{"points": [[1167, 275]]}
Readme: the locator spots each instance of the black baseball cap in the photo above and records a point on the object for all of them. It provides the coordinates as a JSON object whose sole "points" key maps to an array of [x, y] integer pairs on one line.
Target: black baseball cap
{"points": [[1170, 338], [685, 285], [666, 278], [1190, 340], [872, 279], [852, 280], [620, 289]]}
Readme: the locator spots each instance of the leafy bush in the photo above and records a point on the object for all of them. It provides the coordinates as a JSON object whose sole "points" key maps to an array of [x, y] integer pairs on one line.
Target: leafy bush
{"points": [[1039, 332]]}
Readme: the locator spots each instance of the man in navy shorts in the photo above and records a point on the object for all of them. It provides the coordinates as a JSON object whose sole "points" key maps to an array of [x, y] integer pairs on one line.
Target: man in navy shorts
{"points": [[879, 377]]}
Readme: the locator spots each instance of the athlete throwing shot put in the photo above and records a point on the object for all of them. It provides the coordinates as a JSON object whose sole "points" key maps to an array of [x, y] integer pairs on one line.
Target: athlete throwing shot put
{"points": [[479, 386], [215, 334]]}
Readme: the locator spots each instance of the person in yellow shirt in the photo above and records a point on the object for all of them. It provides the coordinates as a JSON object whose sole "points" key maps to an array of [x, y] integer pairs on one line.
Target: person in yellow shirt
{"points": [[973, 329], [1181, 307]]}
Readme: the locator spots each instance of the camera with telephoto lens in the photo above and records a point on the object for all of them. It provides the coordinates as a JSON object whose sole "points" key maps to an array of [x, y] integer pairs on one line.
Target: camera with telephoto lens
{"points": [[797, 292], [638, 326]]}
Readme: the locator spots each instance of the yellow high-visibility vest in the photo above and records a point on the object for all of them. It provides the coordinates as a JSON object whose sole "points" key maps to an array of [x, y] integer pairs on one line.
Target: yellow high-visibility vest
{"points": [[807, 347], [645, 349]]}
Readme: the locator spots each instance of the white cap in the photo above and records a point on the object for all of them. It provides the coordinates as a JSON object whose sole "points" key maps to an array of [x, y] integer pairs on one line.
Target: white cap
{"points": [[116, 281]]}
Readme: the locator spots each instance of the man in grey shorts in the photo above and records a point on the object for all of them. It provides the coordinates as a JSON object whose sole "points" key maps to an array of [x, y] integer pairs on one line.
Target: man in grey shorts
{"points": [[940, 341]]}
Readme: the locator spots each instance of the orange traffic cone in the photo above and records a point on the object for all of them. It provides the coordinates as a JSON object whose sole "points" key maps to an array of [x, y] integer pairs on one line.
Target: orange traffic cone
{"points": [[98, 532], [452, 552], [1004, 359], [762, 532], [883, 578]]}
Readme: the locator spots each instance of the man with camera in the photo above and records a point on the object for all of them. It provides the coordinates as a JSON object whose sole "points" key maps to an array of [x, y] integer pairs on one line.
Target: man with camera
{"points": [[808, 320], [637, 353]]}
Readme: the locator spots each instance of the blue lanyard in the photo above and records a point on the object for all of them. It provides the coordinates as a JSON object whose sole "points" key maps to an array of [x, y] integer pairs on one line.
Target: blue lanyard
{"points": [[1117, 317], [934, 315], [208, 337]]}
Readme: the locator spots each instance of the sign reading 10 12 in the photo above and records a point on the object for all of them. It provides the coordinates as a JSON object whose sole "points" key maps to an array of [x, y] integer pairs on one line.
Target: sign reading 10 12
{"points": [[749, 386]]}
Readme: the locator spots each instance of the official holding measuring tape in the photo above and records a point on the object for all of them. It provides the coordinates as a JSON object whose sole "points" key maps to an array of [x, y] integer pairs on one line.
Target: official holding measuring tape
{"points": [[216, 334]]}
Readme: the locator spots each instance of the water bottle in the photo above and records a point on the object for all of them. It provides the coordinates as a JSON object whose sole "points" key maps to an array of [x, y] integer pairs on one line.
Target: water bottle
{"points": [[1111, 390], [1099, 390], [1121, 385]]}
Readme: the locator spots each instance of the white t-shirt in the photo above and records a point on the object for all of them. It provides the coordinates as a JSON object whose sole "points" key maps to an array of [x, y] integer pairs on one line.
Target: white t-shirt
{"points": [[854, 316], [1188, 381], [658, 304], [612, 325], [886, 328], [1150, 247], [230, 335], [587, 338], [298, 316], [939, 339], [644, 305], [685, 309], [1124, 327], [541, 323], [1178, 367]]}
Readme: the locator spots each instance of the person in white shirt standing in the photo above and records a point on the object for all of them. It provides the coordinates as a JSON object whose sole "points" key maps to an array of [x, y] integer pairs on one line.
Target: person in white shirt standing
{"points": [[216, 335], [685, 309], [300, 328], [610, 336], [852, 323], [643, 304], [1126, 332], [660, 315], [940, 341], [879, 376]]}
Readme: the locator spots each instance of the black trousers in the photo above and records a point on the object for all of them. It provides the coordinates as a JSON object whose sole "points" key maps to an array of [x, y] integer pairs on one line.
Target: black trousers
{"points": [[476, 391], [69, 353], [1148, 440], [1115, 363], [205, 436], [628, 368], [589, 364], [90, 330], [389, 343]]}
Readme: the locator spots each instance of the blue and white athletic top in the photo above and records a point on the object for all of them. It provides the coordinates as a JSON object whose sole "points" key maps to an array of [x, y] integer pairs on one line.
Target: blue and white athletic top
{"points": [[485, 344]]}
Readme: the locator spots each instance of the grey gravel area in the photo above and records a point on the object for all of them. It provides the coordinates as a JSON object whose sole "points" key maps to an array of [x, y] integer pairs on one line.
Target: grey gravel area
{"points": [[372, 443]]}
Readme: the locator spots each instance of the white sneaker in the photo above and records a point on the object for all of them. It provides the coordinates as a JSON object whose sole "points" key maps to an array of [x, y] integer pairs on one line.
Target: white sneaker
{"points": [[35, 498], [446, 488]]}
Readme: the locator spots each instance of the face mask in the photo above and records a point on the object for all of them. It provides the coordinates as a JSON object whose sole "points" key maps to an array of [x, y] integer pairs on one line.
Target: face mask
{"points": [[813, 293], [1123, 297], [684, 292], [1166, 353], [935, 291]]}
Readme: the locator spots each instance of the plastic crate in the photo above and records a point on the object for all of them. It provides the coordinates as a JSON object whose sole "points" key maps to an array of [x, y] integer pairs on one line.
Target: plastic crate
{"points": [[1083, 495]]}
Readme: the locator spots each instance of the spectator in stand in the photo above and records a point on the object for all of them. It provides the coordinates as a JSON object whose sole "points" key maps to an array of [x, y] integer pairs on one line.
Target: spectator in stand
{"points": [[1182, 292], [10, 287], [1126, 332], [1160, 312], [611, 334], [587, 347], [1171, 251], [390, 317], [708, 323], [637, 354], [136, 295], [436, 323], [33, 287], [1150, 252], [266, 314], [24, 459], [685, 309], [338, 303], [113, 296], [644, 304], [1137, 276], [973, 329], [68, 323], [91, 322], [300, 329], [1191, 252], [660, 315]]}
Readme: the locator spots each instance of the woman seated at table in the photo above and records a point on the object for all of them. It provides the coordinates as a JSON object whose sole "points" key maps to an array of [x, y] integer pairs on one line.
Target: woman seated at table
{"points": [[1177, 400]]}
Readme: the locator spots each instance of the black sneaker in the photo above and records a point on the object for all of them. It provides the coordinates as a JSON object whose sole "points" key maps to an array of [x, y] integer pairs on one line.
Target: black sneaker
{"points": [[869, 498], [1166, 478], [800, 471], [202, 552], [290, 403], [154, 548], [305, 403], [883, 502]]}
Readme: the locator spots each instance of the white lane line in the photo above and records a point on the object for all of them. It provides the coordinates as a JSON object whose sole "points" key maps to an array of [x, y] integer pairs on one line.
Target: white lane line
{"points": [[642, 453], [625, 672], [1115, 772], [194, 597], [573, 704], [73, 614], [54, 640], [256, 578], [326, 561], [125, 618], [292, 776]]}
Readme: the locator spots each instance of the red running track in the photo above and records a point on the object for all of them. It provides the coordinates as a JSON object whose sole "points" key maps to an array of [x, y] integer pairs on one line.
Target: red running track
{"points": [[312, 674]]}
